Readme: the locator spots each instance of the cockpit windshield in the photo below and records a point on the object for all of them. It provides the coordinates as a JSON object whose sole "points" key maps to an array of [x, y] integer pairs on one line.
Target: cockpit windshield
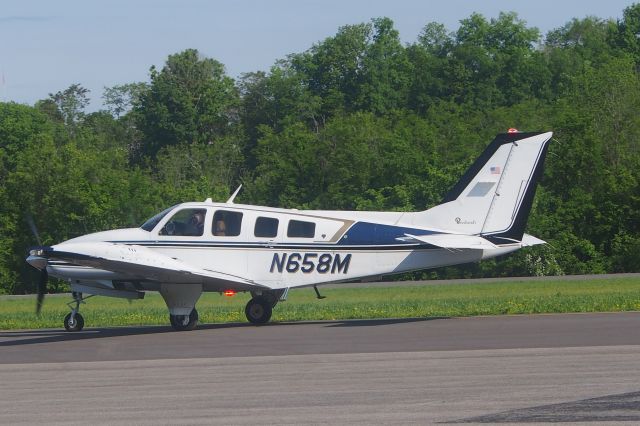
{"points": [[152, 222]]}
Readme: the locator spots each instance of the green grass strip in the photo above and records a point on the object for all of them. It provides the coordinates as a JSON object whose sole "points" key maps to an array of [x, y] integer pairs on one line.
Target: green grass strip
{"points": [[455, 300]]}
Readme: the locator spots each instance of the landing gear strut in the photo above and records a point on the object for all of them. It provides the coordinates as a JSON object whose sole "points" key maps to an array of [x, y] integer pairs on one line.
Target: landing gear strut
{"points": [[184, 322], [74, 321]]}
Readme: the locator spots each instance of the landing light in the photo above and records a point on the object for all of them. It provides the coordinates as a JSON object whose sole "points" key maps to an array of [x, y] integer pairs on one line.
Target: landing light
{"points": [[229, 293]]}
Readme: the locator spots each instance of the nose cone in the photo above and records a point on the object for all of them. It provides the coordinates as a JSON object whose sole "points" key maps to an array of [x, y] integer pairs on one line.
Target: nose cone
{"points": [[37, 262]]}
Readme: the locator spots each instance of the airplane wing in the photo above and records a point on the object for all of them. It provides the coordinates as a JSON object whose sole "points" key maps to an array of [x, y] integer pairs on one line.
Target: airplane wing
{"points": [[455, 241], [141, 263]]}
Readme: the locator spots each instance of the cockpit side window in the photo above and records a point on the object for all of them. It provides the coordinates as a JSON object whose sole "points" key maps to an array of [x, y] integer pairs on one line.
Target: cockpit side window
{"points": [[186, 222], [227, 223]]}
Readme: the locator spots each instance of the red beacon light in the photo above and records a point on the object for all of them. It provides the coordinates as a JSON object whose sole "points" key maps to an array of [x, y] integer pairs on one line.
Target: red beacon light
{"points": [[229, 293], [513, 130]]}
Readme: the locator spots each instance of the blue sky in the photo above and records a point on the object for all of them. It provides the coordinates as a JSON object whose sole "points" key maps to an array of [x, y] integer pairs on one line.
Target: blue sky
{"points": [[47, 45]]}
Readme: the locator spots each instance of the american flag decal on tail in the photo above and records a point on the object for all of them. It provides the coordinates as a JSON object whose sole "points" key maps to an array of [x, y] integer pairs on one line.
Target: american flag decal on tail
{"points": [[495, 170]]}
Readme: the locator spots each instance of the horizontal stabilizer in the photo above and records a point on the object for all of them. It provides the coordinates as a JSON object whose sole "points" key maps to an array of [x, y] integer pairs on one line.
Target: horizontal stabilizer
{"points": [[455, 241], [530, 240]]}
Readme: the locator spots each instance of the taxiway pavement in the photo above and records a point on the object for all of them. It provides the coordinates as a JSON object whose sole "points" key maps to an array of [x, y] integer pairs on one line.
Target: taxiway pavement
{"points": [[508, 369]]}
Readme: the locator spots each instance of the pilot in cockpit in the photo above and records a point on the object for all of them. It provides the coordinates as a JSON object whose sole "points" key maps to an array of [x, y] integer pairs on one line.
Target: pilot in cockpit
{"points": [[197, 223]]}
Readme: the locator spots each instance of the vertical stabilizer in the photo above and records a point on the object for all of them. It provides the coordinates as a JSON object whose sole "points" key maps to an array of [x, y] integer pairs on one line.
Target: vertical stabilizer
{"points": [[494, 197]]}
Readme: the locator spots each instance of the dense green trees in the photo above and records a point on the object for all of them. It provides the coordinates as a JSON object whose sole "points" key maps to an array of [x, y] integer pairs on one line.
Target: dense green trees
{"points": [[358, 121], [189, 101]]}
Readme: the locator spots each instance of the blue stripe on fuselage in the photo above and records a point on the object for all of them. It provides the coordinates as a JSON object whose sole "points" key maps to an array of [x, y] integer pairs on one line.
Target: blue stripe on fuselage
{"points": [[366, 233]]}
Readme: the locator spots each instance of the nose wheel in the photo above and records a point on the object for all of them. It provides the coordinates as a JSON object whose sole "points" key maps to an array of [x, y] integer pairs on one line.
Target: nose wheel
{"points": [[73, 322]]}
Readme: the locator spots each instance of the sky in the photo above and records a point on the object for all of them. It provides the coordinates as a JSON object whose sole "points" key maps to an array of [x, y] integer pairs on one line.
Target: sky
{"points": [[45, 46]]}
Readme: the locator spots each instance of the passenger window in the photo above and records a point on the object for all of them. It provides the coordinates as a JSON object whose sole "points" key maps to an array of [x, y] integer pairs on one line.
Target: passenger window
{"points": [[226, 223], [187, 223], [299, 229], [266, 227]]}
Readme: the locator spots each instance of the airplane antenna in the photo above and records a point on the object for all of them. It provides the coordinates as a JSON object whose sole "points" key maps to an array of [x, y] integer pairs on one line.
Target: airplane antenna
{"points": [[230, 200]]}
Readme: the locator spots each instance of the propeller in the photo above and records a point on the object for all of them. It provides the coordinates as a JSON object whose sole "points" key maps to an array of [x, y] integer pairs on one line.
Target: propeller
{"points": [[34, 230], [42, 289], [44, 275]]}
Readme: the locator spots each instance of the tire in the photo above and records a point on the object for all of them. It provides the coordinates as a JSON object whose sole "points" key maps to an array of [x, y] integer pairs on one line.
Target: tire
{"points": [[180, 322], [76, 325], [258, 310]]}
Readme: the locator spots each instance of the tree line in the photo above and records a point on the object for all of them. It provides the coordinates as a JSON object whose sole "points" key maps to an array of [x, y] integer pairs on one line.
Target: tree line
{"points": [[358, 121]]}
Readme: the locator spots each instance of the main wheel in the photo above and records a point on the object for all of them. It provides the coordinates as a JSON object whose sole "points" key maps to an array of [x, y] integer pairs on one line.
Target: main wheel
{"points": [[184, 322], [258, 310], [73, 324]]}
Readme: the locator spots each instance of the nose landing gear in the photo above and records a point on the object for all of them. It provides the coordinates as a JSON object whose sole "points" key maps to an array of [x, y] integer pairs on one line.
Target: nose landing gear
{"points": [[74, 321]]}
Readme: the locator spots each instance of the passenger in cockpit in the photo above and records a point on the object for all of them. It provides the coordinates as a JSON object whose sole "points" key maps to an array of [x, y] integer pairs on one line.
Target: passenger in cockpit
{"points": [[220, 228]]}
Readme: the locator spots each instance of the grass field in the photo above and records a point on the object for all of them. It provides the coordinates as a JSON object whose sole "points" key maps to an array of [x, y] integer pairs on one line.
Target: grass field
{"points": [[600, 295]]}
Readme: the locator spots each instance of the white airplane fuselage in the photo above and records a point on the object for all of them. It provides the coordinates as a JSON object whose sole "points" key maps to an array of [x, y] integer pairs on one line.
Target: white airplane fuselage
{"points": [[346, 246]]}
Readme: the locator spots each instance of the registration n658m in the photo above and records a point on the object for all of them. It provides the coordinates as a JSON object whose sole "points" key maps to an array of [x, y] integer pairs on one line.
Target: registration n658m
{"points": [[323, 263]]}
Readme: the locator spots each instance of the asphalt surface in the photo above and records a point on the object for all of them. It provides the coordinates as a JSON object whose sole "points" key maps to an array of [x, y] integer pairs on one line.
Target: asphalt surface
{"points": [[582, 368]]}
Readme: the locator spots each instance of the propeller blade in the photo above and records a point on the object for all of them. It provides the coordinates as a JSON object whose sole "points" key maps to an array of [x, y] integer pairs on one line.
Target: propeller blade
{"points": [[34, 230], [42, 289]]}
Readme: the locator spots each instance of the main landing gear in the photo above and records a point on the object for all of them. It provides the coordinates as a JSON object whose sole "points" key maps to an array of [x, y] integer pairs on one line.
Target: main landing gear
{"points": [[184, 322], [74, 321], [260, 307], [181, 300], [258, 310]]}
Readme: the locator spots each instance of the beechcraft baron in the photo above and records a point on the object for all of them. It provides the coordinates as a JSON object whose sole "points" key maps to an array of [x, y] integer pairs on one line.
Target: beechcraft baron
{"points": [[225, 247]]}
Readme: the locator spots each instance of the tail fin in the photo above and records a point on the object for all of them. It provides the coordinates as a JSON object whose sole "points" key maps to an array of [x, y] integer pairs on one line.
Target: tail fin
{"points": [[494, 197]]}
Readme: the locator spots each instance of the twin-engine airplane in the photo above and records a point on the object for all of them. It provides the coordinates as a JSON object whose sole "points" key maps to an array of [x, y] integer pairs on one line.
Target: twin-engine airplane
{"points": [[225, 247]]}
